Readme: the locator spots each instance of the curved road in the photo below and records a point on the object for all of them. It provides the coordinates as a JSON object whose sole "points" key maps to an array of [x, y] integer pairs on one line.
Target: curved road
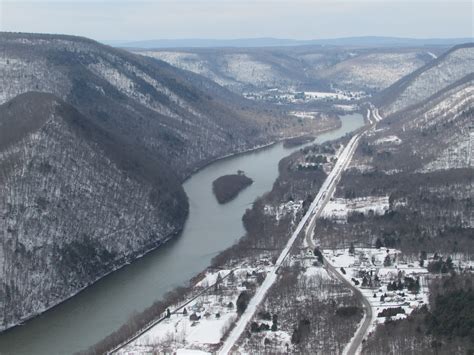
{"points": [[355, 344]]}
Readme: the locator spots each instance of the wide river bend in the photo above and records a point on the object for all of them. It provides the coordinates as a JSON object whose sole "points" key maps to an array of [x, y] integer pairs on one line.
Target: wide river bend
{"points": [[103, 307]]}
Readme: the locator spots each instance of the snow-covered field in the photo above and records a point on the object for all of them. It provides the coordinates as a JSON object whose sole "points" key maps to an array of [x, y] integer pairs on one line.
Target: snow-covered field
{"points": [[319, 95], [290, 95], [389, 140], [346, 108], [199, 326], [375, 271], [342, 95], [312, 115], [290, 207], [305, 114], [340, 208]]}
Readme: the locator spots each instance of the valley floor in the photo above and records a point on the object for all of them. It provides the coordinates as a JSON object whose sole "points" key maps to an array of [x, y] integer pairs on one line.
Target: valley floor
{"points": [[310, 301], [247, 309]]}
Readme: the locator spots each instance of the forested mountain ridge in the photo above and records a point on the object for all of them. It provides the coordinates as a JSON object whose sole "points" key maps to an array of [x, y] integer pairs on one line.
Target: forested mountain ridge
{"points": [[75, 204], [298, 68], [421, 157], [176, 113], [419, 138], [447, 69]]}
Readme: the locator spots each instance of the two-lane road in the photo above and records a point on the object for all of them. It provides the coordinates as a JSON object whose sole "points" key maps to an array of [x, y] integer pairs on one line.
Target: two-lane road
{"points": [[355, 344]]}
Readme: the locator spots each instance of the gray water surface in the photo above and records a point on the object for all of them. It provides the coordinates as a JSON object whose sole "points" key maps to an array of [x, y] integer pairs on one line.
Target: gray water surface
{"points": [[103, 307]]}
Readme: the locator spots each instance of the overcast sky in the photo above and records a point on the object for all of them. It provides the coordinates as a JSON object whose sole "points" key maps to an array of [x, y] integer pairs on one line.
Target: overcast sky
{"points": [[223, 19]]}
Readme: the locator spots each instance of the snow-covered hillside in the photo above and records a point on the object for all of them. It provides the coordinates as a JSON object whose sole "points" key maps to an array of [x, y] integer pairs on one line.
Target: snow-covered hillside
{"points": [[373, 71], [69, 206], [435, 76], [113, 85], [301, 68]]}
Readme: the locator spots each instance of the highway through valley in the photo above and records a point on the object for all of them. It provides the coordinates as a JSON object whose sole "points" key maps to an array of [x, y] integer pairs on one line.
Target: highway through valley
{"points": [[315, 209], [355, 345]]}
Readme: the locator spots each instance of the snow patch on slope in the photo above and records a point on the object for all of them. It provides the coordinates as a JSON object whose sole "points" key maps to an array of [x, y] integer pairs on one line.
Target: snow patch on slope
{"points": [[128, 87]]}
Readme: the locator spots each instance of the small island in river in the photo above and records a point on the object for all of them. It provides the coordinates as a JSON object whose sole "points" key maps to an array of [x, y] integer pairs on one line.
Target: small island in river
{"points": [[296, 141], [227, 187]]}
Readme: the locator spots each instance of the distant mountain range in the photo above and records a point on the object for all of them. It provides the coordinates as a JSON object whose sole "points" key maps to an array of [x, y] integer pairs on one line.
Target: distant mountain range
{"points": [[367, 41], [305, 68]]}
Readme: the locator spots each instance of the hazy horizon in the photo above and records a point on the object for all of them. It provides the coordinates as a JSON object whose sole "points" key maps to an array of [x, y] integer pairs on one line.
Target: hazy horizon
{"points": [[282, 38], [131, 20]]}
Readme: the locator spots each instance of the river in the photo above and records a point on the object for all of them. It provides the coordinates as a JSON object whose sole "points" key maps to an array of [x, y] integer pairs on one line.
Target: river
{"points": [[103, 307]]}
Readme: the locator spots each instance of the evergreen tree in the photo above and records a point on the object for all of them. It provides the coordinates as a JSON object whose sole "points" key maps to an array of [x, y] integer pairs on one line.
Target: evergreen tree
{"points": [[319, 255], [218, 282], [364, 281], [232, 277], [417, 285], [352, 249], [254, 328], [449, 263], [378, 243], [274, 323], [242, 302]]}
